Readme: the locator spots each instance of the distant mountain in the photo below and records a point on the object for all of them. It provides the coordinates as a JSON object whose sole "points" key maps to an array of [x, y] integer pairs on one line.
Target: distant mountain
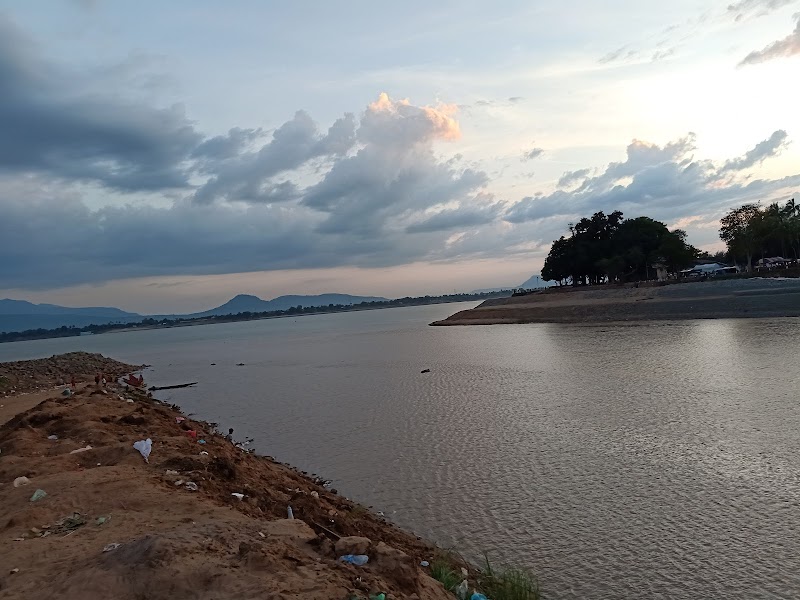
{"points": [[536, 281], [19, 315], [248, 303]]}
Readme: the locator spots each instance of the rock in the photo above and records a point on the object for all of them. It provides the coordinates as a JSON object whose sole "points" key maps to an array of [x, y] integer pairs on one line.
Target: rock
{"points": [[353, 545], [396, 565], [20, 481], [291, 529]]}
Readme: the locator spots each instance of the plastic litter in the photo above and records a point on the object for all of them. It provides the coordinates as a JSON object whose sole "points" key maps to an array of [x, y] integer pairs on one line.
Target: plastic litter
{"points": [[201, 441], [14, 571], [79, 450], [38, 495], [380, 596], [180, 419], [290, 513], [424, 563], [314, 494], [111, 547], [20, 481], [462, 590], [52, 437], [67, 392], [192, 433], [102, 520], [129, 401], [204, 453], [144, 447], [191, 486], [358, 560], [478, 596], [240, 496], [171, 472]]}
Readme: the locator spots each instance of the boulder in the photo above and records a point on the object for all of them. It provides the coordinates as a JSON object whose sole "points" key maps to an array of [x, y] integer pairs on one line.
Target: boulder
{"points": [[396, 565], [353, 545]]}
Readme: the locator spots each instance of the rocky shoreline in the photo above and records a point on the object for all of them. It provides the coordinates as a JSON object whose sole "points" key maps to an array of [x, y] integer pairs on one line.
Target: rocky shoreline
{"points": [[713, 299], [200, 518]]}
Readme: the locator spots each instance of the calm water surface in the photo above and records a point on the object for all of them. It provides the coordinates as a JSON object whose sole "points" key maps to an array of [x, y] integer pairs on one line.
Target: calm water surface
{"points": [[650, 461]]}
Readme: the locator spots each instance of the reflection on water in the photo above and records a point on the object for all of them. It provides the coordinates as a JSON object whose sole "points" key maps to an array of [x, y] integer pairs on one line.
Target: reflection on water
{"points": [[655, 460]]}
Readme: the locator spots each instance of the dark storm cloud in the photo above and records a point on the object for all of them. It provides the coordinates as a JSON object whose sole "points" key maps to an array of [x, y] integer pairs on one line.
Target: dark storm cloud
{"points": [[788, 46], [49, 126], [461, 217]]}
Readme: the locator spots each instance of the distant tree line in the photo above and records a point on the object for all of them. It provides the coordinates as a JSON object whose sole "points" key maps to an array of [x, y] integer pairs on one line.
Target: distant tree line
{"points": [[64, 331], [607, 249], [752, 231]]}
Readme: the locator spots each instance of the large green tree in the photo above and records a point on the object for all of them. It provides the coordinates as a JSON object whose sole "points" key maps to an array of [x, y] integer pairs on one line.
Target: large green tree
{"points": [[742, 230]]}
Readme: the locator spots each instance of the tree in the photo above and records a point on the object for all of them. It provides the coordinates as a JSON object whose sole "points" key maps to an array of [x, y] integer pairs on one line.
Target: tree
{"points": [[740, 230]]}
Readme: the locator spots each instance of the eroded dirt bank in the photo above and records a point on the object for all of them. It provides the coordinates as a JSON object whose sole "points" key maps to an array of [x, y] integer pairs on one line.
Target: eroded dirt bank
{"points": [[114, 526]]}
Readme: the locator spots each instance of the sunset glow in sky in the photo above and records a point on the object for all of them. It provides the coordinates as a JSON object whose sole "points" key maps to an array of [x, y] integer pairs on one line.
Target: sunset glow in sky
{"points": [[162, 157]]}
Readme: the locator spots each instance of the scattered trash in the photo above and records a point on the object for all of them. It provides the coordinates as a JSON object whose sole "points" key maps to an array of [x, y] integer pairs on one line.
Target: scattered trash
{"points": [[20, 481], [462, 590], [129, 401], [19, 539], [464, 572], [204, 453], [315, 494], [381, 513], [52, 437], [261, 533], [67, 392], [144, 447], [111, 547], [424, 563], [180, 419], [201, 441], [478, 596], [171, 472], [290, 513], [239, 364], [380, 596], [192, 433], [67, 525], [355, 559], [103, 520], [191, 486], [179, 482], [38, 495], [79, 450], [13, 571], [425, 371], [238, 495]]}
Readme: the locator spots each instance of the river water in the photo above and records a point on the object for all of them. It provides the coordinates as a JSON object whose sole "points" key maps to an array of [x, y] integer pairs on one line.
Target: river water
{"points": [[657, 460]]}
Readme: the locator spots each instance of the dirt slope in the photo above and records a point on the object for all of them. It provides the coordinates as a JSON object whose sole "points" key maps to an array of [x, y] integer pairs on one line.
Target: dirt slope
{"points": [[176, 543]]}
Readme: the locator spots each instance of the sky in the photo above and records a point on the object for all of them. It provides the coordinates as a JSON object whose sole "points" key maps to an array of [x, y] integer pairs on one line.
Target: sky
{"points": [[163, 157]]}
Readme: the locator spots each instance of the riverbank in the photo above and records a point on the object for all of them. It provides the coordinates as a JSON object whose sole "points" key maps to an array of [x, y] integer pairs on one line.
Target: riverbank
{"points": [[202, 518], [713, 299]]}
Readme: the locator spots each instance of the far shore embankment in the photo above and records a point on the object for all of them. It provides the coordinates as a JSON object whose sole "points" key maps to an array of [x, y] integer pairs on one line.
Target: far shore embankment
{"points": [[712, 299]]}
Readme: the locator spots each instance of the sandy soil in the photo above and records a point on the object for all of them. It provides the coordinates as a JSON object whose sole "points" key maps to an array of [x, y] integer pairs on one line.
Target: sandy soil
{"points": [[740, 298], [175, 543]]}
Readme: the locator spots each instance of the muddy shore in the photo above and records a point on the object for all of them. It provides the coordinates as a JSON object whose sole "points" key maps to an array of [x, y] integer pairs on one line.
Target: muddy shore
{"points": [[721, 299], [113, 525]]}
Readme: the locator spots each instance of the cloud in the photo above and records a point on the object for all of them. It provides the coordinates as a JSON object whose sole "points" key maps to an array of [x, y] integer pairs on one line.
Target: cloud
{"points": [[50, 126], [468, 215], [788, 46], [665, 182], [532, 153], [755, 8], [762, 151], [571, 177], [238, 175]]}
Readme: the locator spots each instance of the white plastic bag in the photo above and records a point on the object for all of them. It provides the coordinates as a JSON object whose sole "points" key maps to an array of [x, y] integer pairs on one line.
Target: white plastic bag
{"points": [[144, 447]]}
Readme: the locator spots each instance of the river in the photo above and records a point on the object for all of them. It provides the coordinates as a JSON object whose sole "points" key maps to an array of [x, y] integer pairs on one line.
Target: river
{"points": [[657, 460]]}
